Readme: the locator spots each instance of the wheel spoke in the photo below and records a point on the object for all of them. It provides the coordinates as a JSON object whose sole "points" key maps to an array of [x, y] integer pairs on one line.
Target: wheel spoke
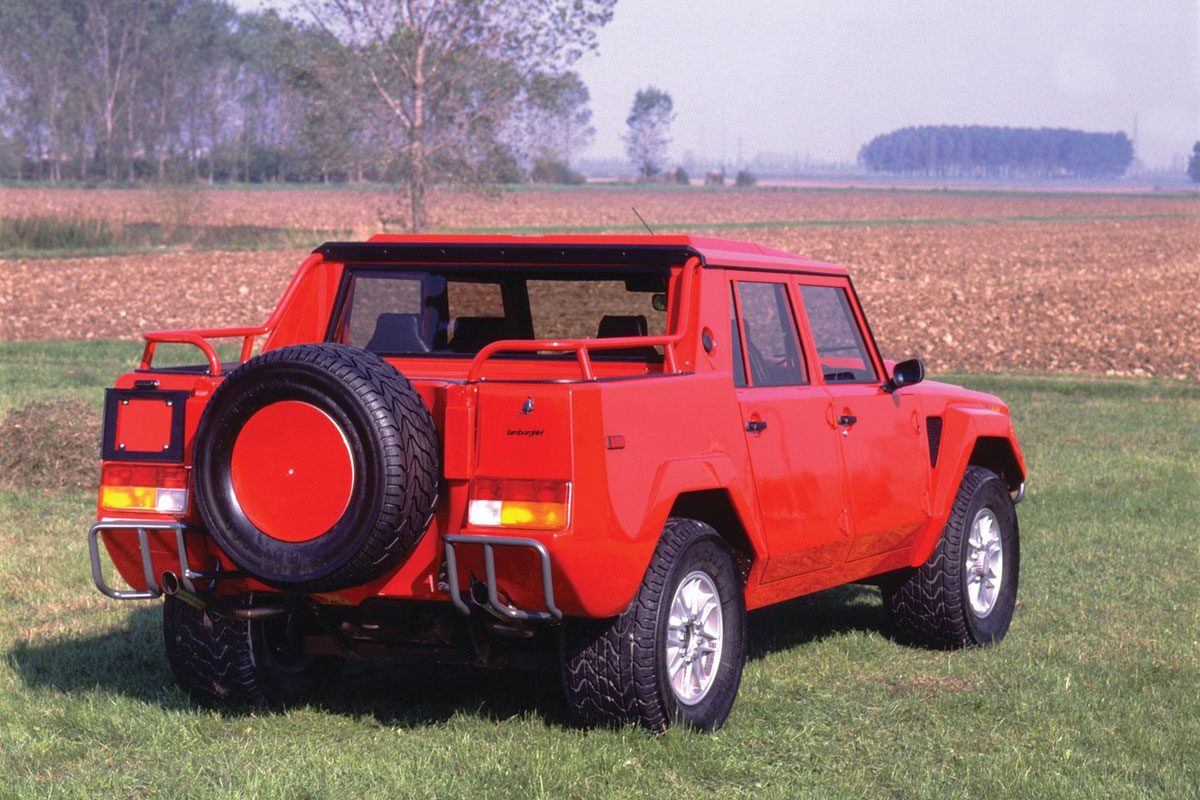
{"points": [[984, 562], [693, 637]]}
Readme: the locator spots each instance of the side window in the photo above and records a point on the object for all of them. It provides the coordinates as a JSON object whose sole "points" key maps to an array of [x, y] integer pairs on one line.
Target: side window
{"points": [[840, 348], [771, 344]]}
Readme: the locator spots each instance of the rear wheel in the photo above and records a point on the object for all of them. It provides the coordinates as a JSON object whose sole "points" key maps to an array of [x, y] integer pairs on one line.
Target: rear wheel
{"points": [[965, 594], [220, 660], [676, 653]]}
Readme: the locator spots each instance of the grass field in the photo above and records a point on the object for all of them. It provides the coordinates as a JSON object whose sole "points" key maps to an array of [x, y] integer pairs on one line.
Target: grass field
{"points": [[1092, 695]]}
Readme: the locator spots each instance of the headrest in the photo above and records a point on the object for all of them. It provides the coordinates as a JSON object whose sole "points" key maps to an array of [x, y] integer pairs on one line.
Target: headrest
{"points": [[471, 334], [398, 333], [613, 326]]}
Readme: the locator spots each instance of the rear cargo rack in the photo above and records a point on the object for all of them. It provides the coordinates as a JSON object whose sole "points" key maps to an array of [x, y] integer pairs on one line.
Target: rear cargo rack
{"points": [[552, 612], [187, 575]]}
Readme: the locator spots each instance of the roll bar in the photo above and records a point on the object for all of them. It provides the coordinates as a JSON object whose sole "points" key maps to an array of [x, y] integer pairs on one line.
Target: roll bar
{"points": [[200, 337], [582, 347]]}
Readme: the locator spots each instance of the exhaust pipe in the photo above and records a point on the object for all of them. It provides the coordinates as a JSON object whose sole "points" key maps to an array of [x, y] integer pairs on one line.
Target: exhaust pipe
{"points": [[171, 587]]}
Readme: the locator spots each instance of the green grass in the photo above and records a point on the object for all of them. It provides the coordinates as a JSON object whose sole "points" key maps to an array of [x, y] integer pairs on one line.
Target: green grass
{"points": [[685, 227], [54, 233], [1092, 695], [834, 184], [69, 237]]}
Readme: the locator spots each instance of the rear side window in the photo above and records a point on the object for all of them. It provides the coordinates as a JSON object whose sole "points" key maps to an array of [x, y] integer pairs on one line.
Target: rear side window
{"points": [[843, 355], [739, 363], [380, 301], [772, 348]]}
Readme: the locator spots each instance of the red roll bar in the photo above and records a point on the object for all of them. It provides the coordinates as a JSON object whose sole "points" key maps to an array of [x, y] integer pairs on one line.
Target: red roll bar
{"points": [[581, 347], [200, 337]]}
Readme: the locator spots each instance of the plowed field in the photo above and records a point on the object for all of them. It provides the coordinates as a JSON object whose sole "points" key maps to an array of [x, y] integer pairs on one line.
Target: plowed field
{"points": [[979, 282]]}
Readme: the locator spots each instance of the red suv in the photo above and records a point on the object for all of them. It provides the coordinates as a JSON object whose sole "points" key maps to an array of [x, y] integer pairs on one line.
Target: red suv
{"points": [[591, 454]]}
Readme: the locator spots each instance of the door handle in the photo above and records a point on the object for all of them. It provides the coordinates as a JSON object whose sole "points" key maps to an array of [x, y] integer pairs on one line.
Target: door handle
{"points": [[846, 420], [756, 425]]}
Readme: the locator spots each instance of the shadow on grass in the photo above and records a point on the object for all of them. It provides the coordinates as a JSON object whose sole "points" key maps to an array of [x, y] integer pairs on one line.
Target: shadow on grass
{"points": [[130, 661], [402, 692], [814, 617]]}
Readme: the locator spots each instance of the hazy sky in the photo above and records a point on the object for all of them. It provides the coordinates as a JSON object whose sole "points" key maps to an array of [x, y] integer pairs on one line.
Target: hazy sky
{"points": [[819, 78]]}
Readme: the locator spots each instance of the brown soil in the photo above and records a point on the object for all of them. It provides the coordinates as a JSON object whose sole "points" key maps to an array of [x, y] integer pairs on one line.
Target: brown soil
{"points": [[1098, 296], [367, 212]]}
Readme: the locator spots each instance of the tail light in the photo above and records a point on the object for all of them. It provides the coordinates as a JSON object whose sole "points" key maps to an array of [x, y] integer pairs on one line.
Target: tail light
{"points": [[518, 503], [158, 488]]}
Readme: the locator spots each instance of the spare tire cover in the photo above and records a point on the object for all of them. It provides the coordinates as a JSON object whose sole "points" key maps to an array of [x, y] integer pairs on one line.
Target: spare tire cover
{"points": [[315, 467]]}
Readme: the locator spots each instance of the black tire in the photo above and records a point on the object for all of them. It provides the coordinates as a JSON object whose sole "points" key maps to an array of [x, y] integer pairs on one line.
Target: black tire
{"points": [[220, 661], [616, 671], [933, 605], [392, 443]]}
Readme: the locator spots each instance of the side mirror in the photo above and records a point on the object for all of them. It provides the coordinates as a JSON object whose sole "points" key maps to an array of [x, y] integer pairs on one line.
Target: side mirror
{"points": [[906, 373]]}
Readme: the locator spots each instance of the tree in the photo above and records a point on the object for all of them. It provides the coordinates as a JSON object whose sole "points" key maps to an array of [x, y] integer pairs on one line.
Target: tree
{"points": [[977, 150], [649, 123], [450, 71], [1193, 170], [553, 121], [114, 32], [38, 42]]}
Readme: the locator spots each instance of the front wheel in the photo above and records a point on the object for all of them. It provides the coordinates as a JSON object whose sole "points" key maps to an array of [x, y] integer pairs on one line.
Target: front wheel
{"points": [[965, 594], [220, 660], [676, 653]]}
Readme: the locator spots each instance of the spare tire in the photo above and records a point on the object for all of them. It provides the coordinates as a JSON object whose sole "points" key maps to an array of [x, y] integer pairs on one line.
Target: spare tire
{"points": [[315, 467]]}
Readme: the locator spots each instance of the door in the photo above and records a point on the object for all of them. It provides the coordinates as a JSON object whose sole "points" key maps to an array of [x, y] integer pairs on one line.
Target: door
{"points": [[794, 453], [886, 473]]}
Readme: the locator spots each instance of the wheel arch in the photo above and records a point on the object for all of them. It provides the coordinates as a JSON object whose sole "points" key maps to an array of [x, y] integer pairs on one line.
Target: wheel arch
{"points": [[715, 507], [997, 454], [970, 437]]}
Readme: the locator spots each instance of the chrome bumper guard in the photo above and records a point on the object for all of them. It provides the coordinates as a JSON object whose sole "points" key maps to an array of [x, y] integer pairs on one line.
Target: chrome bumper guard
{"points": [[552, 612], [186, 574]]}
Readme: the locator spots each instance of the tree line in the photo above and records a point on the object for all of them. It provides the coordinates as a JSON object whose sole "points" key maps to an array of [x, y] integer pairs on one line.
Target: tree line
{"points": [[982, 151], [349, 90]]}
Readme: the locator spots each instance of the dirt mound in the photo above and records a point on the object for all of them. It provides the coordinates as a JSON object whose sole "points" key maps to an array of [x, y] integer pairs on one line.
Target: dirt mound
{"points": [[50, 444]]}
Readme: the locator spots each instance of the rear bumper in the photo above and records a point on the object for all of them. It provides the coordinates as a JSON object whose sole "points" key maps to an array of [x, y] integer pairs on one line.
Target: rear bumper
{"points": [[140, 529], [494, 604], [195, 581]]}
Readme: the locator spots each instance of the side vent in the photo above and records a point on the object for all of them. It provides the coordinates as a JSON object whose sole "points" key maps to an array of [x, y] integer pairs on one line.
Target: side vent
{"points": [[933, 426]]}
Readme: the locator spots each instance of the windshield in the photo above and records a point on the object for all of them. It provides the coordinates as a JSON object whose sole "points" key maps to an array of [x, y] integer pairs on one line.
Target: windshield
{"points": [[407, 312]]}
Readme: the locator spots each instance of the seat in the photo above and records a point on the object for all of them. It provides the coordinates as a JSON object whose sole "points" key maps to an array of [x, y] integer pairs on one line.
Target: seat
{"points": [[614, 326], [398, 333], [472, 334]]}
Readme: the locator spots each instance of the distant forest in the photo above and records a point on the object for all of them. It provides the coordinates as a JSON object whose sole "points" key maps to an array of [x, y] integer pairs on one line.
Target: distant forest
{"points": [[980, 151], [193, 90]]}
